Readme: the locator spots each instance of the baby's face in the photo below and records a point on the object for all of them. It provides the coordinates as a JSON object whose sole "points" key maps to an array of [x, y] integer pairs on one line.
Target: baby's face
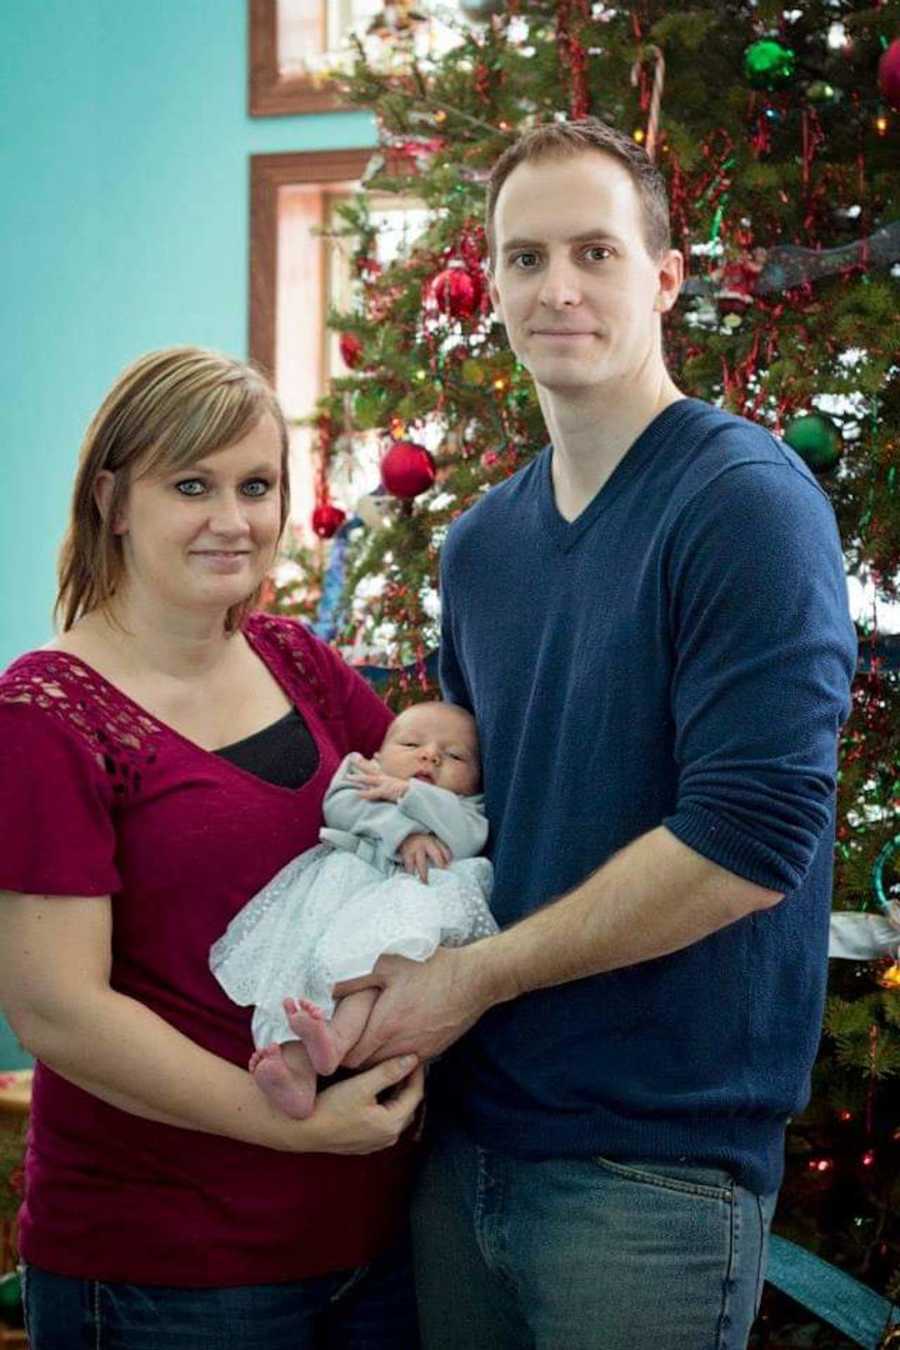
{"points": [[436, 743]]}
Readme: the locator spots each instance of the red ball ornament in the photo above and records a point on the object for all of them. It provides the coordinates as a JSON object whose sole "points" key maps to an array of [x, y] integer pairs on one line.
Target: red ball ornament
{"points": [[457, 291], [407, 469], [889, 75], [350, 349], [327, 519]]}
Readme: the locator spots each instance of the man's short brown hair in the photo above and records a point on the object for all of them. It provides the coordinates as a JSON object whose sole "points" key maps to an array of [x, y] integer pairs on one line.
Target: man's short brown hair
{"points": [[560, 140]]}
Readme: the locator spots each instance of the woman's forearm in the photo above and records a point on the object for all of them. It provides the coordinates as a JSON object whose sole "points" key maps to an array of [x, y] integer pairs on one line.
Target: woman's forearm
{"points": [[128, 1056]]}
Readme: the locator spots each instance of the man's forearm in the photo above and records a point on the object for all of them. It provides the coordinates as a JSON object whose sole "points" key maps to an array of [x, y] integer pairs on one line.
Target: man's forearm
{"points": [[654, 897]]}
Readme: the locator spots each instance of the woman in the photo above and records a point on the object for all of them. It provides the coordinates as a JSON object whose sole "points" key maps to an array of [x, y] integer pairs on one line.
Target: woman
{"points": [[163, 758]]}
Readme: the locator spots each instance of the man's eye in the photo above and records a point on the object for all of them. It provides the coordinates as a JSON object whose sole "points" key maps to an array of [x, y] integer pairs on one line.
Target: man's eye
{"points": [[256, 487], [524, 260], [600, 249], [191, 487]]}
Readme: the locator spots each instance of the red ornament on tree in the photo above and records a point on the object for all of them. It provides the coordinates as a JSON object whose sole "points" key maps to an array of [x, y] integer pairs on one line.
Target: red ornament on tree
{"points": [[889, 75], [327, 519], [350, 349], [457, 291], [407, 469]]}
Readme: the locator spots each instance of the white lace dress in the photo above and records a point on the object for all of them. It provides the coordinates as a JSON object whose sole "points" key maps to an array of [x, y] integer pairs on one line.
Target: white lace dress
{"points": [[330, 913]]}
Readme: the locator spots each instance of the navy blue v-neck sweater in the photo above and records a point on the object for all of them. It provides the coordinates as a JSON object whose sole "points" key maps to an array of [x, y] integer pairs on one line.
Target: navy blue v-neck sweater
{"points": [[679, 654]]}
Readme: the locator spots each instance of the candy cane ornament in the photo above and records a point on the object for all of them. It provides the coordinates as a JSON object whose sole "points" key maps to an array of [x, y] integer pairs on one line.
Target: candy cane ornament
{"points": [[659, 77]]}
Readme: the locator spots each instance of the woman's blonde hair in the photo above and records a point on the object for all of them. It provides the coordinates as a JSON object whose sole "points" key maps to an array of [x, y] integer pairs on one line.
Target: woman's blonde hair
{"points": [[164, 412]]}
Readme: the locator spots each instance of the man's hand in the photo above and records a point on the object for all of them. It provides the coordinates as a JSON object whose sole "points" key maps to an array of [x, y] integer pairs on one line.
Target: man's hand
{"points": [[419, 850], [375, 785], [424, 1006]]}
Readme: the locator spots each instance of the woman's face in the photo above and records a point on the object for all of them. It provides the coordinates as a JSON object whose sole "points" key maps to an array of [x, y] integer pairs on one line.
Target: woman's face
{"points": [[205, 536]]}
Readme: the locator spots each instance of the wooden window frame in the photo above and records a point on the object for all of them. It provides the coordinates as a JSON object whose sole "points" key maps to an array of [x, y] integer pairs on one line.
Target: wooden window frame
{"points": [[268, 174], [270, 93]]}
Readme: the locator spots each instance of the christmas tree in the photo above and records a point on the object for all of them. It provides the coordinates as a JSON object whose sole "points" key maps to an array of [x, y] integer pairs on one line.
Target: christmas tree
{"points": [[778, 130]]}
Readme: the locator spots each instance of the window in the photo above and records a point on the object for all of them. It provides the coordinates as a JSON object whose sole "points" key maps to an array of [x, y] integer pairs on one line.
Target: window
{"points": [[291, 42], [297, 273]]}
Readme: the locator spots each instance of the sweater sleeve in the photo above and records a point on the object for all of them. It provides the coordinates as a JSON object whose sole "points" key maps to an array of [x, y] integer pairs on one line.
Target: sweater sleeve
{"points": [[764, 654], [459, 822], [364, 716], [56, 817], [345, 810]]}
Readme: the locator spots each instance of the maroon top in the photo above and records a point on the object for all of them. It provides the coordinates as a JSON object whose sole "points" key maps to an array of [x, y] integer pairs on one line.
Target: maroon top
{"points": [[98, 797]]}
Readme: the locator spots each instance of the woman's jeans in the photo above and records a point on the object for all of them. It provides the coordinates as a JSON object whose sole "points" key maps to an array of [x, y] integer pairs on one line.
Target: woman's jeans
{"points": [[583, 1254], [372, 1308]]}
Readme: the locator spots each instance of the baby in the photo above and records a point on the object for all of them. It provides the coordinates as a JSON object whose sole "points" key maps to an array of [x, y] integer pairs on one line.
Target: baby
{"points": [[328, 915]]}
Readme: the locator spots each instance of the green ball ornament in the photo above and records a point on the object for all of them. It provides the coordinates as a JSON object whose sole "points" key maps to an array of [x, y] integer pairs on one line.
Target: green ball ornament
{"points": [[816, 439], [768, 64], [10, 1293], [820, 91]]}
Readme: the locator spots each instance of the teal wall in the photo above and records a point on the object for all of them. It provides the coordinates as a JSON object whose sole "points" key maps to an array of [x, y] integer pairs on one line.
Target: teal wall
{"points": [[124, 144]]}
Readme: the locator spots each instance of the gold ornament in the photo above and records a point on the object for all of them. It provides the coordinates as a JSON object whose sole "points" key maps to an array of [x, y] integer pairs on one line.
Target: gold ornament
{"points": [[890, 979]]}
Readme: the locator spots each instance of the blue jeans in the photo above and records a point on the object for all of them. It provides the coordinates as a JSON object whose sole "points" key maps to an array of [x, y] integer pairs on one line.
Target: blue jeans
{"points": [[372, 1308], [583, 1254]]}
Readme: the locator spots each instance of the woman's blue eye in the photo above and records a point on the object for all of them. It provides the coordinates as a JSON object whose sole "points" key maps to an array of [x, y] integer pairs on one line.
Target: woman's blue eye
{"points": [[191, 487], [256, 487]]}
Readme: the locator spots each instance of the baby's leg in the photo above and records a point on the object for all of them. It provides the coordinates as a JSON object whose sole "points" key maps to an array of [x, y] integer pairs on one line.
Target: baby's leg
{"points": [[286, 1075], [328, 1042]]}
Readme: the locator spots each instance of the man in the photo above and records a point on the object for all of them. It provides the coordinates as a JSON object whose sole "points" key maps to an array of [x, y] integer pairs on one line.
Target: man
{"points": [[650, 624]]}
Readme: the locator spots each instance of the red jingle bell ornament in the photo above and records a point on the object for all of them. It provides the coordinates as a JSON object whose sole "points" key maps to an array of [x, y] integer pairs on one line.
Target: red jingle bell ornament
{"points": [[407, 469], [327, 519], [889, 75], [457, 291], [350, 348]]}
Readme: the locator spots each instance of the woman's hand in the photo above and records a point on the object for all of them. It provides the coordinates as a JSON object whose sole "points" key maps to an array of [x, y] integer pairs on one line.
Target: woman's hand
{"points": [[350, 1118]]}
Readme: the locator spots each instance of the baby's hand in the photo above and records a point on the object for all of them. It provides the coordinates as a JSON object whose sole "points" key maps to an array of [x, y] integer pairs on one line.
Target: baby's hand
{"points": [[374, 785], [418, 850]]}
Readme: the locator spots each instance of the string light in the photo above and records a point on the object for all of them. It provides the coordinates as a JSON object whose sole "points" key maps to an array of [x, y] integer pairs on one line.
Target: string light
{"points": [[868, 1158], [639, 135], [820, 1164], [881, 124]]}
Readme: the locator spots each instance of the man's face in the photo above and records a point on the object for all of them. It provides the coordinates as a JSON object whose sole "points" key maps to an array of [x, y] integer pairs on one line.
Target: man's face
{"points": [[573, 282]]}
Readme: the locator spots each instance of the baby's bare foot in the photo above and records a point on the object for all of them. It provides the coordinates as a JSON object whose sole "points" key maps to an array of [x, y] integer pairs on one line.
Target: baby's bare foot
{"points": [[309, 1023], [287, 1090]]}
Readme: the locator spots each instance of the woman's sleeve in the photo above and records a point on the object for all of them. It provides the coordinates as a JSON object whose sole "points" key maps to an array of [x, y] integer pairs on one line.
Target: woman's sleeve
{"points": [[56, 819], [361, 718]]}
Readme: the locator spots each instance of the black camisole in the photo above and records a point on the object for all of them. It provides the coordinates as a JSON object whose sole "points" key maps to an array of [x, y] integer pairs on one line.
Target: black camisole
{"points": [[284, 753]]}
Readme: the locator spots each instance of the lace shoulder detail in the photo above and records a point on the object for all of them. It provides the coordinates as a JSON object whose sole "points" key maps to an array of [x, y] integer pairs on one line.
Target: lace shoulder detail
{"points": [[121, 738], [288, 644]]}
